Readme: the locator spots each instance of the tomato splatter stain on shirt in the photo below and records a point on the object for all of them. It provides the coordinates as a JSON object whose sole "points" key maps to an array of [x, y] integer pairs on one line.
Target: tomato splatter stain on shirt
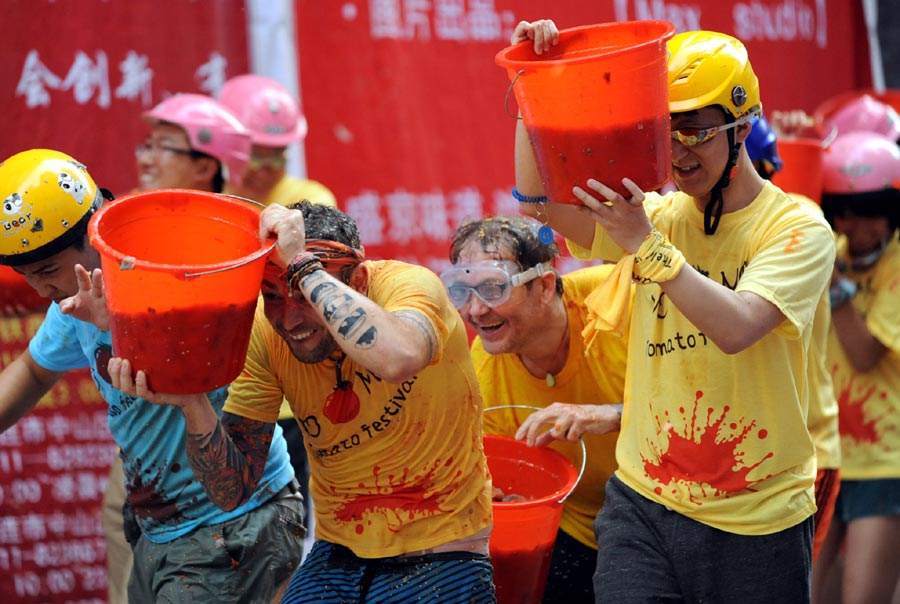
{"points": [[402, 498], [706, 456]]}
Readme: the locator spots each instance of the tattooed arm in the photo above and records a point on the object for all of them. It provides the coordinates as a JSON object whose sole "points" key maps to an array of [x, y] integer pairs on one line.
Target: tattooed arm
{"points": [[228, 456], [229, 460], [394, 346]]}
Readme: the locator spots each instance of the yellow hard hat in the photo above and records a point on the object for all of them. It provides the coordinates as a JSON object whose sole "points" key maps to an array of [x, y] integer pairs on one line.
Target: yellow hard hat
{"points": [[48, 198], [709, 68]]}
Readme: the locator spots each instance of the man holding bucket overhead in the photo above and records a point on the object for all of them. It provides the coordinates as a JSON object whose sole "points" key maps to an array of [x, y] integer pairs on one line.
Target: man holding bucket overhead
{"points": [[188, 548], [713, 499], [374, 361], [534, 374]]}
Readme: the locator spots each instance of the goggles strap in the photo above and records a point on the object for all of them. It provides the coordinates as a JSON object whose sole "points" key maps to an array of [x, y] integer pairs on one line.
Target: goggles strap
{"points": [[525, 276]]}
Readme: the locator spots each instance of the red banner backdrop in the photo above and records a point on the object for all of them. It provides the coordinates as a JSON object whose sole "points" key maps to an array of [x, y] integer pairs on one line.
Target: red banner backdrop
{"points": [[406, 105], [53, 471], [76, 76]]}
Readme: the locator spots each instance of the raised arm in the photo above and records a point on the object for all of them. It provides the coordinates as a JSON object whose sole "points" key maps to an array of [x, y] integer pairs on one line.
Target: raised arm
{"points": [[395, 345]]}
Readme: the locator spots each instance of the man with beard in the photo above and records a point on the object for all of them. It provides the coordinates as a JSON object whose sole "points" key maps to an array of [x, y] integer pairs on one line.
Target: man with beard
{"points": [[374, 361]]}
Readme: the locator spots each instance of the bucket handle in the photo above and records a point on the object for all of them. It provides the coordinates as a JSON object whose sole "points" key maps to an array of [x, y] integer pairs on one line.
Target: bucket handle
{"points": [[506, 100], [251, 258], [581, 440]]}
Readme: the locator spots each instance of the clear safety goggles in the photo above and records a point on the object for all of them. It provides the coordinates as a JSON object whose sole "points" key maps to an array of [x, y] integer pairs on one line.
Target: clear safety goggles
{"points": [[691, 137], [491, 282]]}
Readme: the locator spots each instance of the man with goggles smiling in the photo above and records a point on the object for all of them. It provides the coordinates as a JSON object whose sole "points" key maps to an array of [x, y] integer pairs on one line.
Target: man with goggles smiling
{"points": [[713, 496], [529, 351]]}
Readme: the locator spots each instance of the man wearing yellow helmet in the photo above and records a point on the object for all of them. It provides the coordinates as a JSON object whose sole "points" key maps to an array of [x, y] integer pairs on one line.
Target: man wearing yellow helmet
{"points": [[186, 547], [713, 499]]}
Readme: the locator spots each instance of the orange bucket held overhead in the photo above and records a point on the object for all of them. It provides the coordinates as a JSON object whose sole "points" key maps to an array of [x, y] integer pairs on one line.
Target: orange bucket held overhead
{"points": [[596, 105], [182, 271]]}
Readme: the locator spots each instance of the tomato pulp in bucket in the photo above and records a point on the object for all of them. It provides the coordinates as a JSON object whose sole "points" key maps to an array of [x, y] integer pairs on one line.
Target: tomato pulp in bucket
{"points": [[596, 105], [524, 531], [182, 271]]}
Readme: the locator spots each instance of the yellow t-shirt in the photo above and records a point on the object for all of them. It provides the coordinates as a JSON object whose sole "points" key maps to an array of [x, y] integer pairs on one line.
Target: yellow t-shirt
{"points": [[405, 471], [870, 402], [823, 407], [723, 438], [595, 379]]}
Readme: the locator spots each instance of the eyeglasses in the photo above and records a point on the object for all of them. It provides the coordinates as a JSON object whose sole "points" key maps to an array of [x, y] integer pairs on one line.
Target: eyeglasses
{"points": [[150, 146], [491, 282], [691, 137], [276, 162]]}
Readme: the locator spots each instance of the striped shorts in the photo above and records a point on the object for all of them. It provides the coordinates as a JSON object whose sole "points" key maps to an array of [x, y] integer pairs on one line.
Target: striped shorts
{"points": [[332, 574]]}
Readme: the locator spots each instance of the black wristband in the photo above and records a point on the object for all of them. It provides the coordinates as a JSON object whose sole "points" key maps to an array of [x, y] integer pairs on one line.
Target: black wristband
{"points": [[300, 266]]}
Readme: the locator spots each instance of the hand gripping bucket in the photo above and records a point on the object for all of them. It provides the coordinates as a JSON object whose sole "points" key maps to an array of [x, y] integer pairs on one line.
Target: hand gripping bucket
{"points": [[525, 531], [182, 271], [596, 105]]}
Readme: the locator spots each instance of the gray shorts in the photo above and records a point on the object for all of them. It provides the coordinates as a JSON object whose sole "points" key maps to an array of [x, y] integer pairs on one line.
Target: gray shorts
{"points": [[648, 553], [244, 560]]}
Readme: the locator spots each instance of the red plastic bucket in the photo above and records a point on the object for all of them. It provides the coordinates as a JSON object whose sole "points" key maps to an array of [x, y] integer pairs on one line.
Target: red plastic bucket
{"points": [[803, 164], [182, 271], [524, 531], [596, 105]]}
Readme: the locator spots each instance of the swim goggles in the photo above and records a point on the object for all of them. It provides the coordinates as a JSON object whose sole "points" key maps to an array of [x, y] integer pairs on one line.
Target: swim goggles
{"points": [[491, 281], [691, 137]]}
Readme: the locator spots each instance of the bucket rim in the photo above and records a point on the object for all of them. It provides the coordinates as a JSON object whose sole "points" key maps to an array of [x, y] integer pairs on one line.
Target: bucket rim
{"points": [[557, 497], [184, 271], [667, 30]]}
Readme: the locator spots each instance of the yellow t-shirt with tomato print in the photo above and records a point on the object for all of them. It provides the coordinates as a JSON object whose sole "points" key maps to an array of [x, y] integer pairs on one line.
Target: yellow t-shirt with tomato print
{"points": [[402, 468], [722, 438]]}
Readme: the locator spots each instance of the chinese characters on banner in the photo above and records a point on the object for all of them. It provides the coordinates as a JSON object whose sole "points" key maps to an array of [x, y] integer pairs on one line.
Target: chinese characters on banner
{"points": [[77, 76], [53, 470], [408, 123]]}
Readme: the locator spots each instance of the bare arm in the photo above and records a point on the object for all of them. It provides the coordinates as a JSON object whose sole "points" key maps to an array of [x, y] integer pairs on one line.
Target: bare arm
{"points": [[732, 320], [22, 384], [228, 456], [395, 346], [863, 350]]}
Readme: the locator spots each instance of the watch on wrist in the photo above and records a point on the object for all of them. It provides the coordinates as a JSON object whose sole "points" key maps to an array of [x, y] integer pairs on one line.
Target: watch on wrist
{"points": [[841, 292]]}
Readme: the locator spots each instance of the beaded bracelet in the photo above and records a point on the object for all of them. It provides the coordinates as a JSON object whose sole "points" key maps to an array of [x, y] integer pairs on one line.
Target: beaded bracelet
{"points": [[526, 199], [302, 265]]}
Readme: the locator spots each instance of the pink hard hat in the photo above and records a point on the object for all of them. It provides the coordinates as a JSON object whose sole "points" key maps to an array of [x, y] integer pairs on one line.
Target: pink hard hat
{"points": [[861, 111], [861, 162], [211, 128], [266, 108]]}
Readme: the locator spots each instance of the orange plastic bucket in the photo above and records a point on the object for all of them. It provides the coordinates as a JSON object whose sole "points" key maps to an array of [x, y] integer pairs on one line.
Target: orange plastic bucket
{"points": [[596, 105], [15, 291], [182, 271], [803, 164], [524, 531]]}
